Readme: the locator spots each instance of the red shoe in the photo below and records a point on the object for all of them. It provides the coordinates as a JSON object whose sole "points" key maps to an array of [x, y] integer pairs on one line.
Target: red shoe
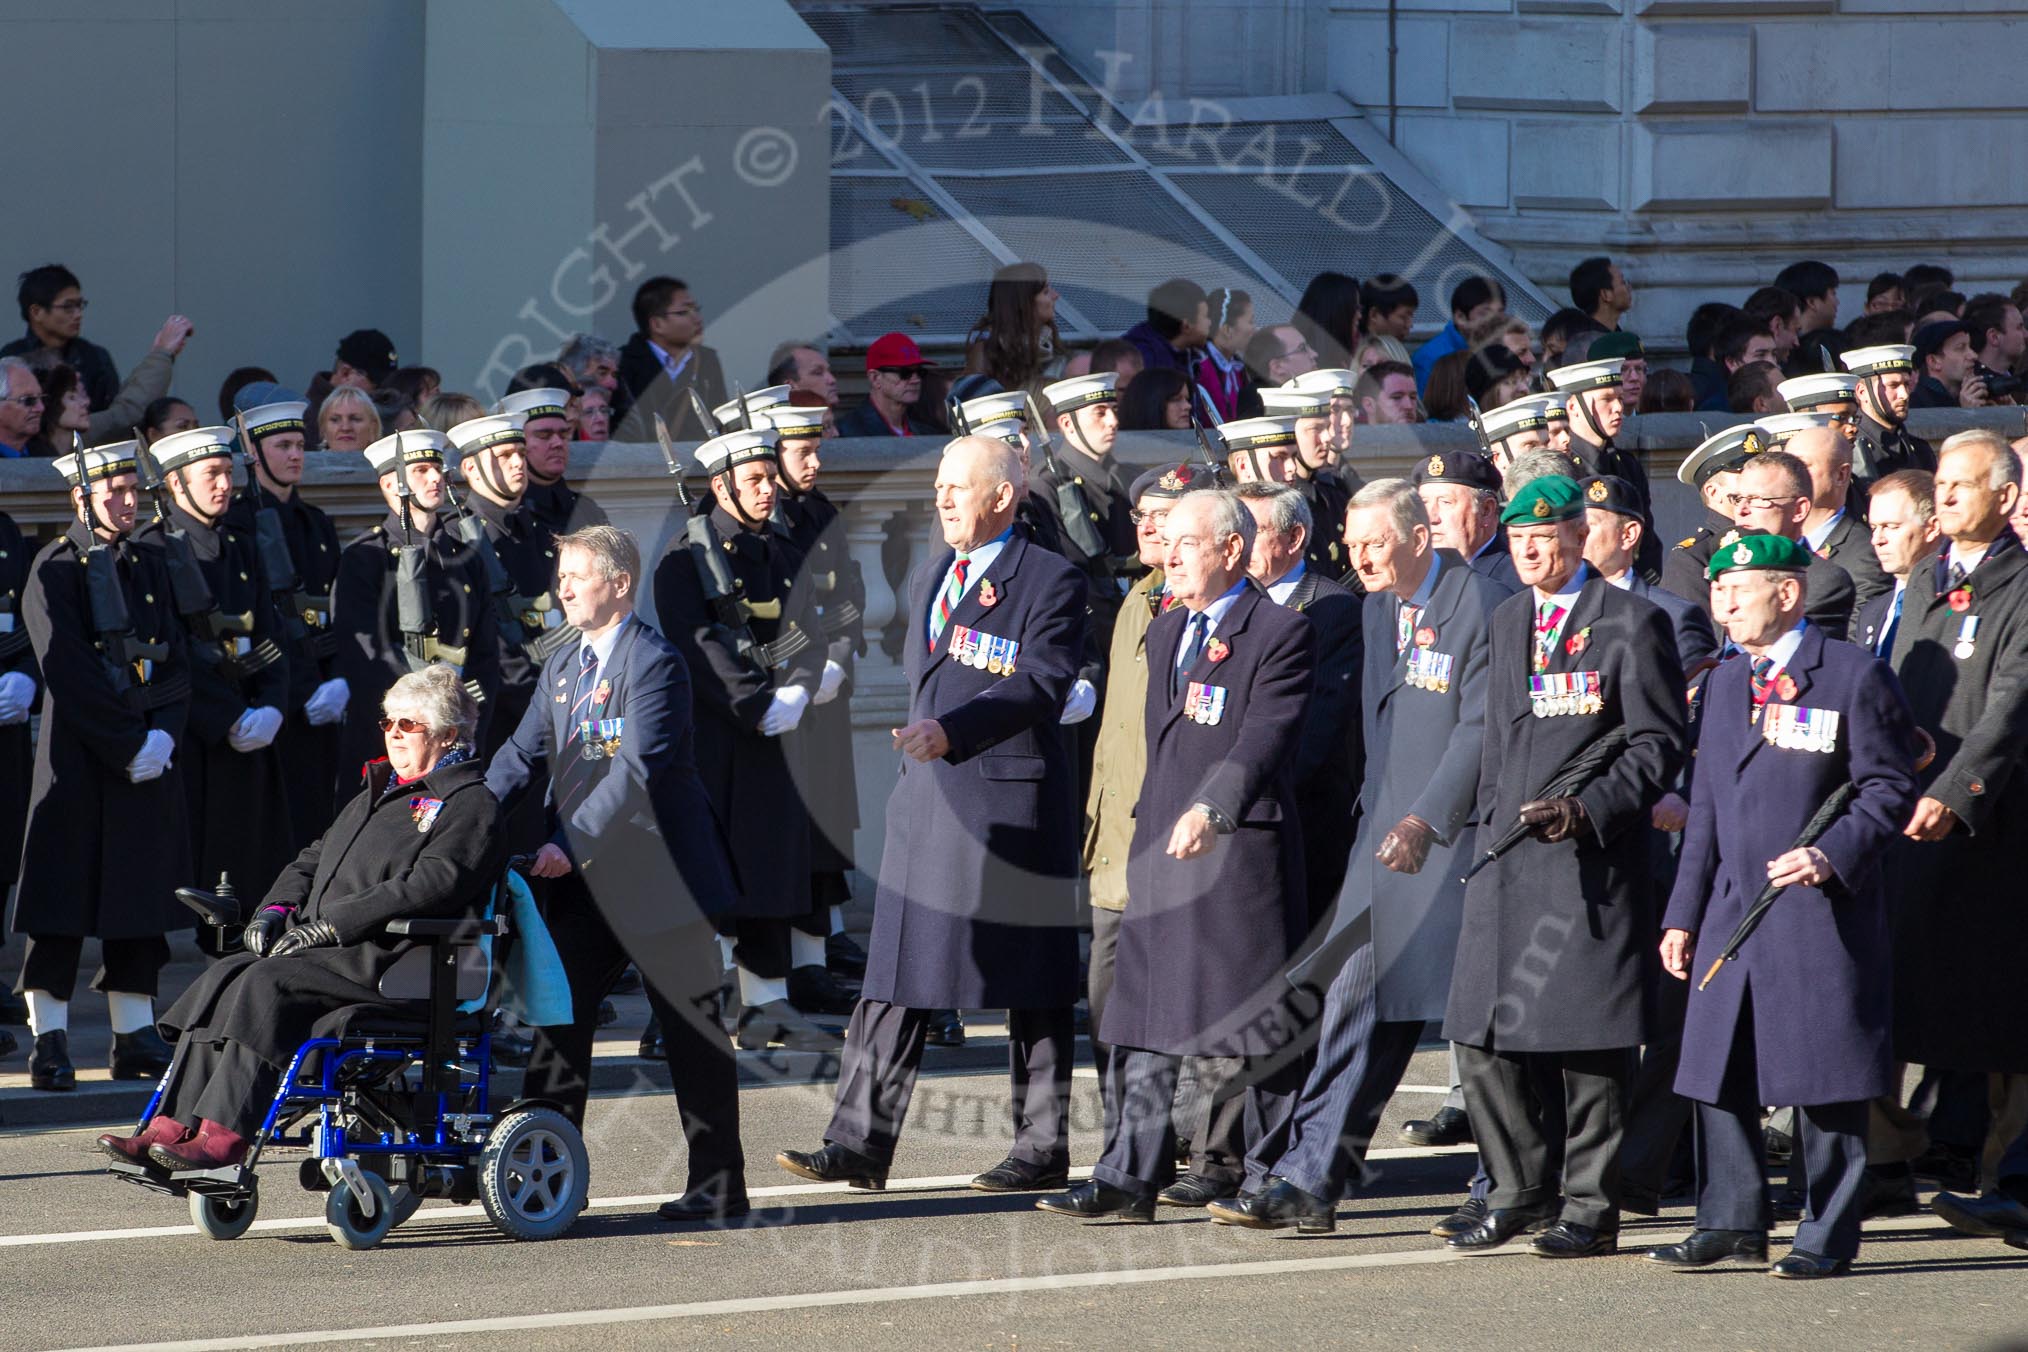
{"points": [[134, 1149], [212, 1148]]}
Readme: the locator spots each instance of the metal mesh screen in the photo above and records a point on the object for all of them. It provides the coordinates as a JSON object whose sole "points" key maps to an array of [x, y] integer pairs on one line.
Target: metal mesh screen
{"points": [[900, 265], [1246, 147], [913, 39]]}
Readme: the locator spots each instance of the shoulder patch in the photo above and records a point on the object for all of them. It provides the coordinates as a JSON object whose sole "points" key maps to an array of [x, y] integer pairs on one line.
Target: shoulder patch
{"points": [[1686, 543]]}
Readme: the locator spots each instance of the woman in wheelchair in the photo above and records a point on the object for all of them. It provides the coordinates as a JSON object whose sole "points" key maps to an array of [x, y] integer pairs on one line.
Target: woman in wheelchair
{"points": [[422, 840]]}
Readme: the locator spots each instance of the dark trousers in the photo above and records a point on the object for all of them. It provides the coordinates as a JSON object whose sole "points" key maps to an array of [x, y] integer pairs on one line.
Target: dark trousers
{"points": [[1656, 1114], [221, 1082], [1141, 1086], [883, 1052], [1509, 1124], [129, 966], [1732, 1167], [680, 975], [1954, 1105]]}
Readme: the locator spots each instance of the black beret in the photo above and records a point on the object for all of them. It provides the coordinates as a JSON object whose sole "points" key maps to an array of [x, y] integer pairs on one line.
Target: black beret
{"points": [[1612, 493], [1469, 468]]}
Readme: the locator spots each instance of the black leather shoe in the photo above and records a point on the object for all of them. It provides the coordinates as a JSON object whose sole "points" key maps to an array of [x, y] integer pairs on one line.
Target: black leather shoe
{"points": [[710, 1202], [1714, 1249], [1012, 1175], [652, 1047], [626, 983], [1778, 1146], [1499, 1226], [1094, 1201], [139, 1055], [1197, 1190], [945, 1029], [13, 1009], [49, 1066], [779, 1023], [8, 1044], [1464, 1218], [1568, 1239], [814, 990], [835, 1164], [1450, 1126], [843, 955], [511, 1046], [1802, 1265], [608, 1014], [1788, 1205], [1990, 1216], [1277, 1206], [1951, 1167], [1884, 1195]]}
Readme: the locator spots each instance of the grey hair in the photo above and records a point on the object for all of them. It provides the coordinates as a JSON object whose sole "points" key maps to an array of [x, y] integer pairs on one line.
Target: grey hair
{"points": [[612, 549], [583, 349], [9, 365], [783, 368], [998, 462], [437, 695], [1288, 509], [2006, 464], [1529, 466], [1224, 513], [1404, 505]]}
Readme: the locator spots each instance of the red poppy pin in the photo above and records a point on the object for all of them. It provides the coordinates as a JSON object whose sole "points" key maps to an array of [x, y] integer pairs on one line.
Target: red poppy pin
{"points": [[1960, 599], [1217, 650], [1785, 686], [1425, 637], [1168, 600], [603, 693], [988, 596], [1576, 643]]}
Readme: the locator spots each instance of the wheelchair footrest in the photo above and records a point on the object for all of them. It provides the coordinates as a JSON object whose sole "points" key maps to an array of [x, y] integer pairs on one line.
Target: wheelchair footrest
{"points": [[146, 1176], [234, 1181]]}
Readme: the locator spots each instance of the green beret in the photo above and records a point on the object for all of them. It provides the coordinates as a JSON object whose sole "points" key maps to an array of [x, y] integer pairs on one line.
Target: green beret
{"points": [[1622, 344], [1544, 501], [1776, 552]]}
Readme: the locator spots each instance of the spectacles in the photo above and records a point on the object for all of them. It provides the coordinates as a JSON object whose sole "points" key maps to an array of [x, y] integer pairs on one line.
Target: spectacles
{"points": [[25, 400], [1760, 504], [407, 725], [901, 372], [71, 307], [1141, 518]]}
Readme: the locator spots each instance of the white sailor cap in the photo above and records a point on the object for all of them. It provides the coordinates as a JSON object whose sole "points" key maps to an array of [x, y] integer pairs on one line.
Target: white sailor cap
{"points": [[187, 448], [1332, 380], [1781, 426], [1587, 375], [483, 434], [757, 402], [1823, 387], [1257, 434], [720, 454], [1287, 401], [1554, 406], [1100, 387], [1871, 361], [1002, 414], [268, 419], [411, 447], [1725, 450], [1528, 414], [100, 462], [801, 421], [544, 403]]}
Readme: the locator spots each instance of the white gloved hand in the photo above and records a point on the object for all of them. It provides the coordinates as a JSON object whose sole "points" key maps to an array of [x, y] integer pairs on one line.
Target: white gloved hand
{"points": [[827, 690], [785, 711], [17, 693], [1078, 706], [255, 729], [153, 757], [327, 702]]}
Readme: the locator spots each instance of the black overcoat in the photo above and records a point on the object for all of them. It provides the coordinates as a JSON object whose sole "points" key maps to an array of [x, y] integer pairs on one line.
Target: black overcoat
{"points": [[17, 754], [838, 590], [1330, 750]]}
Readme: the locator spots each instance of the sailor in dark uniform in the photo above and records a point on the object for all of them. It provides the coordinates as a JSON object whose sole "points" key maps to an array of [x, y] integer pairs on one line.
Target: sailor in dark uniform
{"points": [[1712, 468], [1326, 491], [546, 431], [1883, 443], [1591, 391], [1515, 428], [20, 690]]}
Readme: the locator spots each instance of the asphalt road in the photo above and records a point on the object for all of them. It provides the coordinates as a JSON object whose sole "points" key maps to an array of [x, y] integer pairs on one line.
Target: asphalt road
{"points": [[91, 1262]]}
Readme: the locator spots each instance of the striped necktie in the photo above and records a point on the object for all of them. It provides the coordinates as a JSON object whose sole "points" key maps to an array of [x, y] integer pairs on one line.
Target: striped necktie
{"points": [[1761, 683], [1548, 616], [947, 600], [575, 774]]}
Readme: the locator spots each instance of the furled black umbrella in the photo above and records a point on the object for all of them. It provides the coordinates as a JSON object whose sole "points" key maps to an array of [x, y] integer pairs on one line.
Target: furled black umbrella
{"points": [[1813, 831], [1587, 764]]}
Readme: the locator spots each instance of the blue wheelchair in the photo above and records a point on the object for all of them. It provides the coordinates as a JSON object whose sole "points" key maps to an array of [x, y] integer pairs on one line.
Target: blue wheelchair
{"points": [[394, 1101]]}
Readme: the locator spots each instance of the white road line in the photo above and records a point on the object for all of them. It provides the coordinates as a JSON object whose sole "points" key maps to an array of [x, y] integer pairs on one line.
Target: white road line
{"points": [[643, 1314]]}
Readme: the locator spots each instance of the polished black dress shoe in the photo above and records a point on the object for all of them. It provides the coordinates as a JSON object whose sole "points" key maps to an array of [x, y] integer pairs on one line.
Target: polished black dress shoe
{"points": [[652, 1047], [709, 1202], [139, 1055], [1277, 1206], [1801, 1265], [511, 1046], [8, 1044], [1464, 1218], [1778, 1146], [1094, 1201], [814, 990], [626, 983], [1991, 1216], [945, 1029], [608, 1014], [1887, 1195], [1714, 1249], [49, 1067], [1499, 1226], [779, 1023], [1197, 1190], [1788, 1205], [843, 955], [1449, 1126], [1012, 1175], [1568, 1239], [1951, 1167], [835, 1164]]}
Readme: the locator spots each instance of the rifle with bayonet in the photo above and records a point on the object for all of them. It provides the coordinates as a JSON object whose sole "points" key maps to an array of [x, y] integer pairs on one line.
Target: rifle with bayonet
{"points": [[271, 541], [1073, 510], [112, 627], [414, 608]]}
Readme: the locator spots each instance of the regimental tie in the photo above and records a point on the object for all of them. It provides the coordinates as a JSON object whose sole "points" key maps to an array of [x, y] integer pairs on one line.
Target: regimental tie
{"points": [[1192, 649], [1548, 619], [576, 774], [948, 598], [1761, 682], [1404, 626]]}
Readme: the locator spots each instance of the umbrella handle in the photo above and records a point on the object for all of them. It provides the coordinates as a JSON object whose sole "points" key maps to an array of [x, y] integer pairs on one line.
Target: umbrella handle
{"points": [[1712, 972]]}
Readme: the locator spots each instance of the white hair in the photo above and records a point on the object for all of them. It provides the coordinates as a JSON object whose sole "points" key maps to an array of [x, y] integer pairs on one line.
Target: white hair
{"points": [[1405, 510], [436, 696]]}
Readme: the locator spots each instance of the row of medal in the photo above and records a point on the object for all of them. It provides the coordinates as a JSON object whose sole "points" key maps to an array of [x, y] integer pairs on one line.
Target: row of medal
{"points": [[1566, 692], [1204, 703], [1796, 728], [1429, 669], [599, 738], [975, 648]]}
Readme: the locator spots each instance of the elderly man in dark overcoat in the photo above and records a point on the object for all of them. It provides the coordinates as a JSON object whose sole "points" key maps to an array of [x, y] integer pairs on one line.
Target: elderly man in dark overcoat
{"points": [[1802, 1015], [1215, 873], [977, 898], [1550, 981]]}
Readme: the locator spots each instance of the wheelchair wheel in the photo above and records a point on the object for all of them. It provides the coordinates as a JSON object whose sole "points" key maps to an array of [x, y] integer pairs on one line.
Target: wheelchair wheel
{"points": [[344, 1219], [534, 1176], [222, 1217]]}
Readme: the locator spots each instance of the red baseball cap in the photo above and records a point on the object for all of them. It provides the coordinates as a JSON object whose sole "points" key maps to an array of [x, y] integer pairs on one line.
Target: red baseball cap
{"points": [[895, 349]]}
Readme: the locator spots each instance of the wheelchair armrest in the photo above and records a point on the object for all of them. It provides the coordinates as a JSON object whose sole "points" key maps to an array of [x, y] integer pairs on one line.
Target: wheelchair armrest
{"points": [[461, 930], [222, 912]]}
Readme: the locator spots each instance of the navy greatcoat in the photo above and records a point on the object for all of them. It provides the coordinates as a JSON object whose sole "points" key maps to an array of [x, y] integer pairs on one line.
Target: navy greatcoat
{"points": [[1819, 967], [977, 901], [1330, 750], [1203, 942]]}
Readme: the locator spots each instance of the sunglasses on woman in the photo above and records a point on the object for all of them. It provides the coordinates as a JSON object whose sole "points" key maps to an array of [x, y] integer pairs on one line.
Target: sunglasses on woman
{"points": [[403, 724]]}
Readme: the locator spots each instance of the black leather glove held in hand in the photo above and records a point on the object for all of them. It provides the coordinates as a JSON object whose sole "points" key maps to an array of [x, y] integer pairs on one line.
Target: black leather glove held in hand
{"points": [[1553, 819], [1406, 847], [316, 934]]}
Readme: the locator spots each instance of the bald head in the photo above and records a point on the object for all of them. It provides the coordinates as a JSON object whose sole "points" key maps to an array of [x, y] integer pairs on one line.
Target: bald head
{"points": [[979, 482], [1828, 457]]}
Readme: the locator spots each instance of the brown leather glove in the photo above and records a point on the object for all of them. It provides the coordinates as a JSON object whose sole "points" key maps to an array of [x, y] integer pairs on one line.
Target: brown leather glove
{"points": [[1406, 847], [1553, 819]]}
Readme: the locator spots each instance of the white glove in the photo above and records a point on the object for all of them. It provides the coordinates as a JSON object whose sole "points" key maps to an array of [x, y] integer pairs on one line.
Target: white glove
{"points": [[785, 711], [1079, 704], [827, 690], [17, 692], [153, 757], [255, 729], [327, 702]]}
